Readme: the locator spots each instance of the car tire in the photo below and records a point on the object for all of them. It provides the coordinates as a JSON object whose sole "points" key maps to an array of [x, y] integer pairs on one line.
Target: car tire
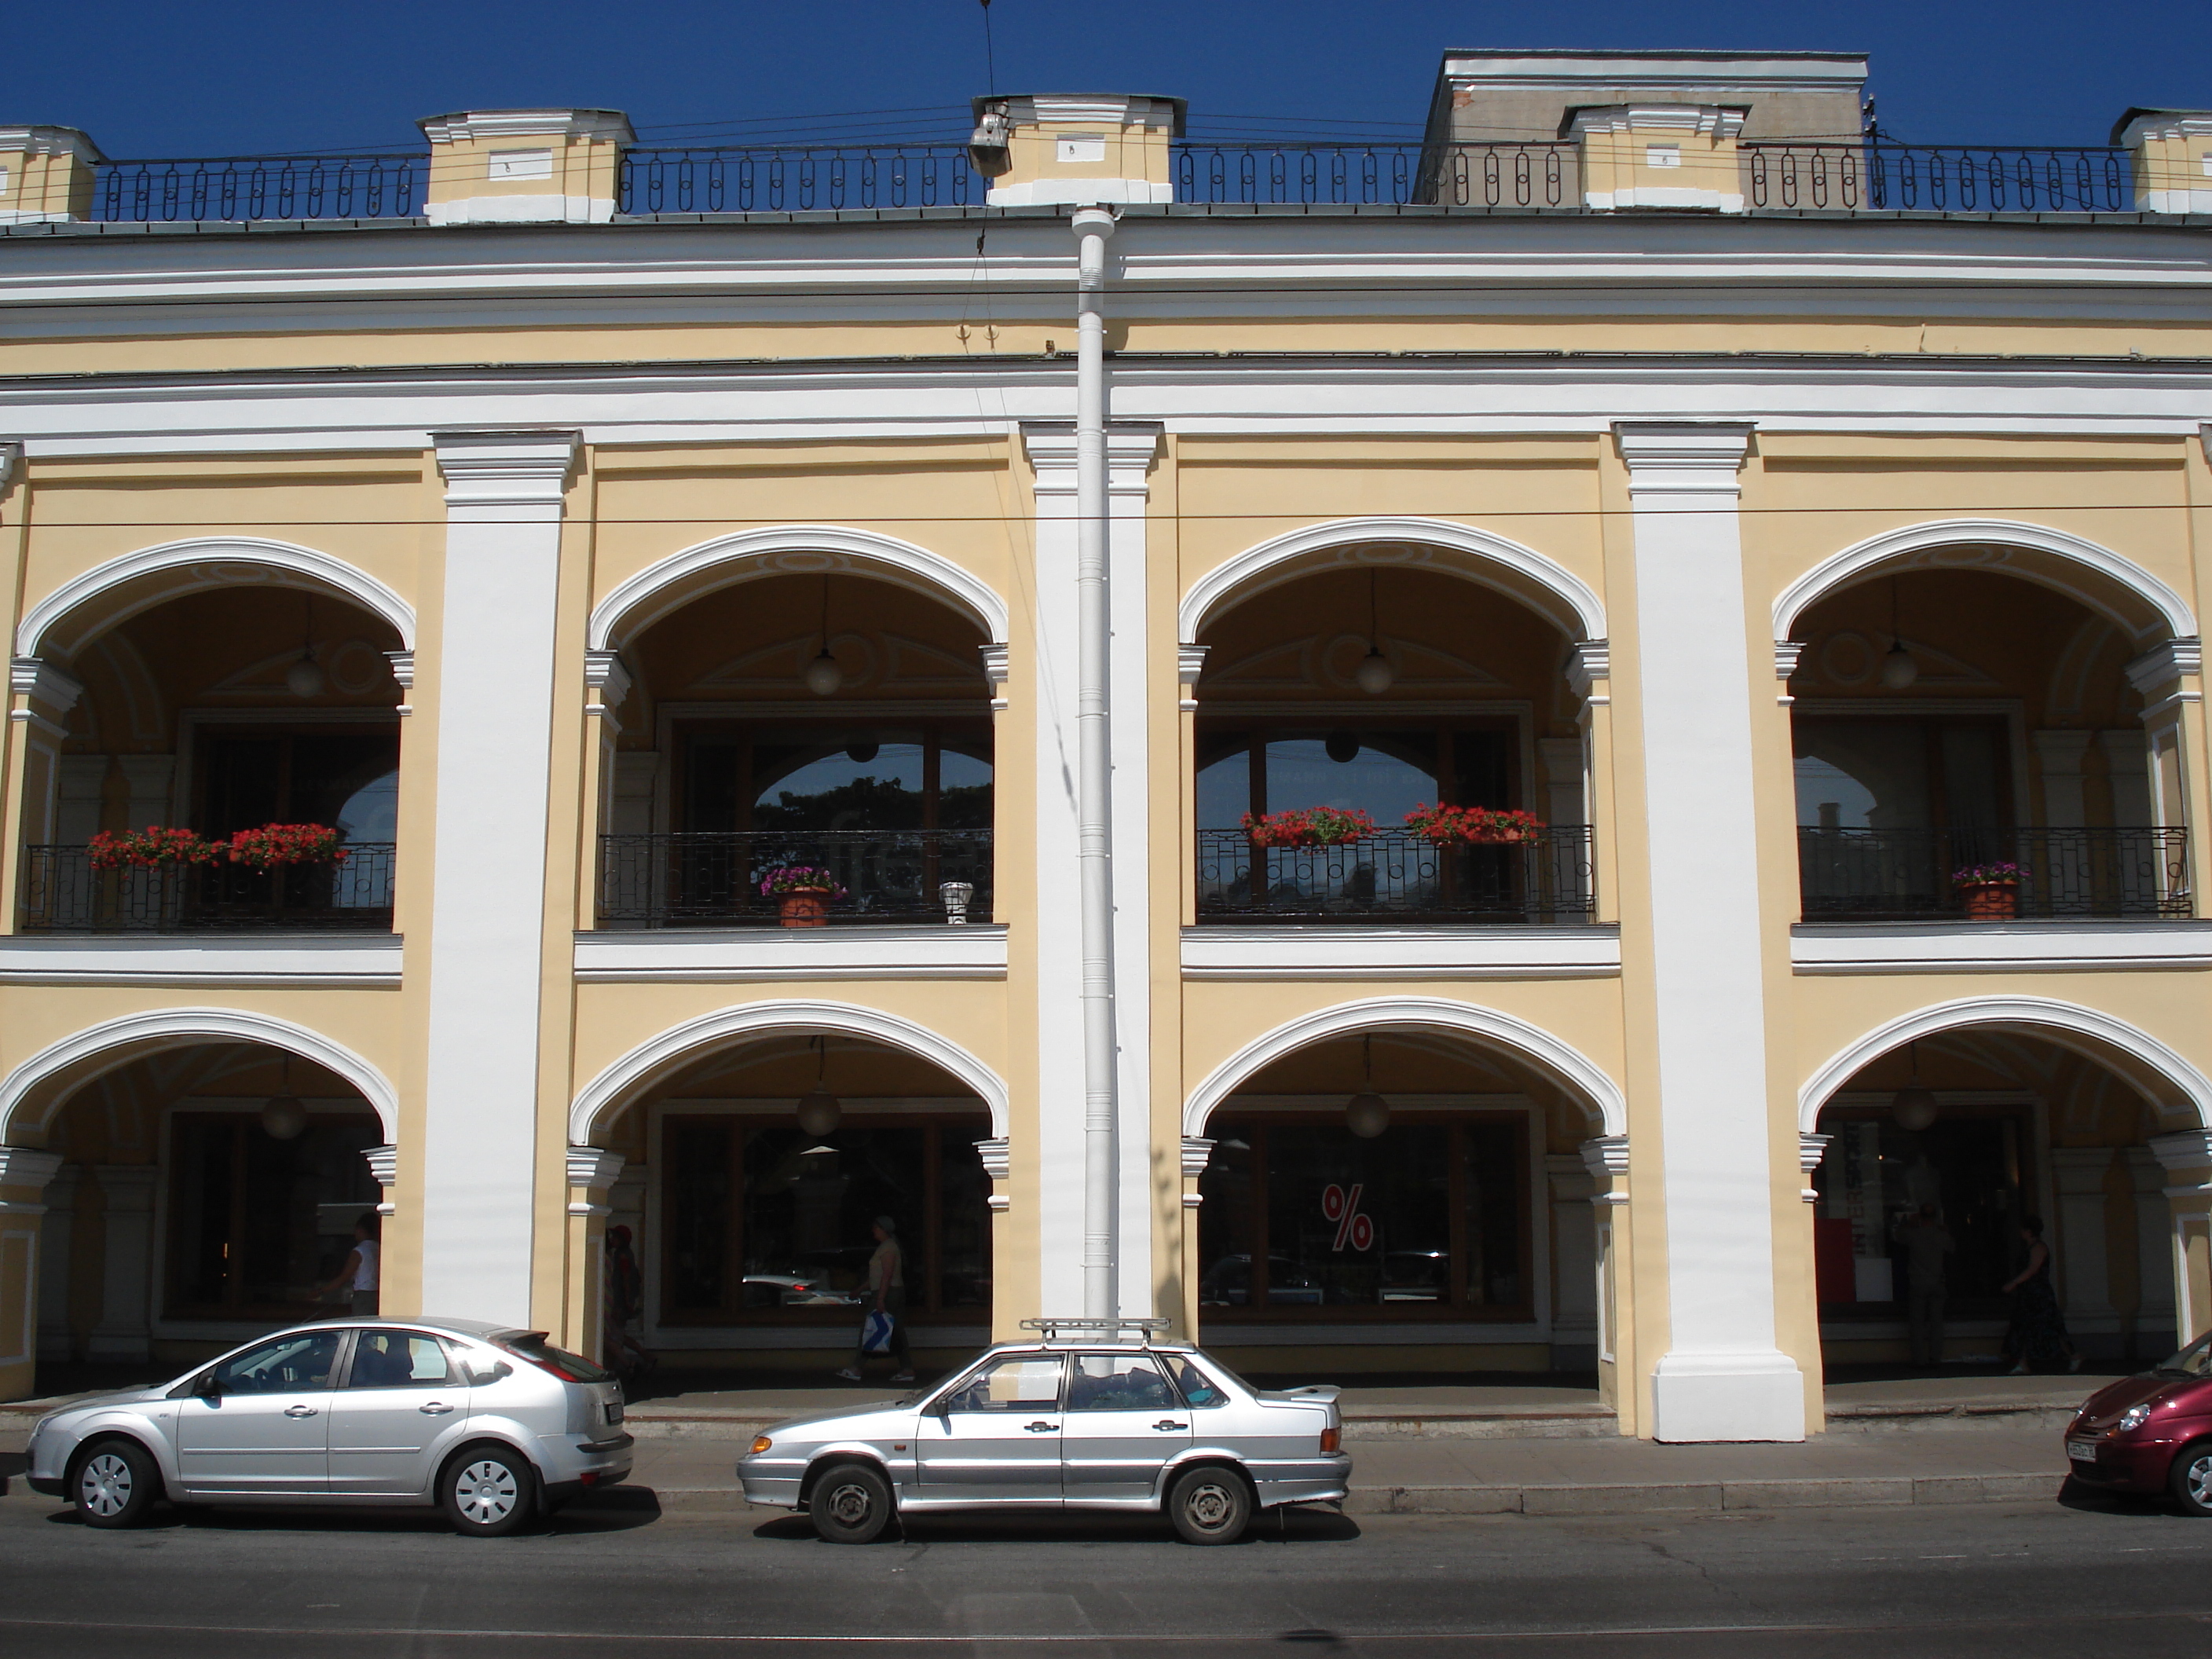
{"points": [[851, 1504], [2190, 1479], [1210, 1505], [114, 1483], [489, 1492]]}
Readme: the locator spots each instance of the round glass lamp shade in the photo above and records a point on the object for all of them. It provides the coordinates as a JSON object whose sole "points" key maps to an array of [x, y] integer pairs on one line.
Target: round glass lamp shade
{"points": [[305, 678], [284, 1117], [823, 675], [1914, 1110], [1367, 1115], [1897, 669], [1341, 746], [819, 1112], [1374, 675]]}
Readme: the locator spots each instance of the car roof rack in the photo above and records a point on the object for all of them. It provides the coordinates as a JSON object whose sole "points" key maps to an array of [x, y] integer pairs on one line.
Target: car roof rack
{"points": [[1097, 1330]]}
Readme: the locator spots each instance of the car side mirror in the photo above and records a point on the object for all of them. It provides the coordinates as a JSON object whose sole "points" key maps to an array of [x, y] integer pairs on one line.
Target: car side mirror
{"points": [[207, 1386]]}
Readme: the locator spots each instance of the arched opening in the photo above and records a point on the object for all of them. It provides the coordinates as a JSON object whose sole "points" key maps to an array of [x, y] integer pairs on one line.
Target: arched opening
{"points": [[1930, 1153], [1384, 733], [205, 701], [755, 1167], [208, 1190], [1409, 1196], [1982, 731], [807, 745]]}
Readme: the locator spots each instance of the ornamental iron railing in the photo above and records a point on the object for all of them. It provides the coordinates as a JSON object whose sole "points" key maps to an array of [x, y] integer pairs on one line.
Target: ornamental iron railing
{"points": [[1453, 175], [714, 878], [1397, 875], [767, 178], [1937, 178], [62, 893], [235, 188], [1887, 875]]}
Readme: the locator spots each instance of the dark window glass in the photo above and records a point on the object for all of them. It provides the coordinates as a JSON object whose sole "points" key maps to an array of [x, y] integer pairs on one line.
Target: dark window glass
{"points": [[820, 777], [398, 1360], [290, 1364], [569, 1367], [1872, 1183], [1384, 772], [1119, 1382], [1015, 1382], [1200, 1391], [347, 778], [256, 1224]]}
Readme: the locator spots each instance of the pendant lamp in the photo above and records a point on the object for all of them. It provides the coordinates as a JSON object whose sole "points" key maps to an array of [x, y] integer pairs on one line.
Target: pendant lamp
{"points": [[1899, 668], [819, 1111], [1367, 1115], [823, 676], [284, 1116], [1914, 1108], [1374, 675], [305, 677]]}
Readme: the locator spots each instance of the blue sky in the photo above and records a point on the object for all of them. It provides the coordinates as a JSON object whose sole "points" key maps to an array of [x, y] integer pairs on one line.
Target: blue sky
{"points": [[236, 76]]}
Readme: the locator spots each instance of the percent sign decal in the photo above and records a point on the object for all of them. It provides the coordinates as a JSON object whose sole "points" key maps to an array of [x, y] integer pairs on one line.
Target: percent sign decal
{"points": [[1343, 1208]]}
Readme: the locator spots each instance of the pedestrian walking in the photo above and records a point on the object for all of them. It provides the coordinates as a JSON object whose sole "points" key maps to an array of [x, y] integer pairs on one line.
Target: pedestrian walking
{"points": [[358, 1276], [2036, 1339], [886, 1294], [1927, 1242]]}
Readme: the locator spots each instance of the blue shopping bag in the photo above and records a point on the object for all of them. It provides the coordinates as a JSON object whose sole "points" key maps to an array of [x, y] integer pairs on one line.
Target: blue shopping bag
{"points": [[876, 1333]]}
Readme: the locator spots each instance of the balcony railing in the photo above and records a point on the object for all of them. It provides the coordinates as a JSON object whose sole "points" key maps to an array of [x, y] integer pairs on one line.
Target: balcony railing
{"points": [[240, 187], [1456, 175], [766, 178], [1396, 875], [1942, 179], [714, 878], [1894, 875], [63, 894]]}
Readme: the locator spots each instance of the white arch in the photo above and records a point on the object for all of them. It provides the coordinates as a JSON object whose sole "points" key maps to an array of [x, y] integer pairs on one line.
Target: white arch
{"points": [[1853, 562], [2092, 1033], [135, 1035], [693, 1039], [784, 549], [1485, 1025], [1579, 611], [213, 551]]}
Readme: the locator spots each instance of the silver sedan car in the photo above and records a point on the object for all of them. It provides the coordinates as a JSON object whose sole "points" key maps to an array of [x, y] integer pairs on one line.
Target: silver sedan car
{"points": [[495, 1424], [1062, 1424]]}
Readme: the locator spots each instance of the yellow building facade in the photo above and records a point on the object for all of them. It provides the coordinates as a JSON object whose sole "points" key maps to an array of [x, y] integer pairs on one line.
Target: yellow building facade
{"points": [[1794, 604]]}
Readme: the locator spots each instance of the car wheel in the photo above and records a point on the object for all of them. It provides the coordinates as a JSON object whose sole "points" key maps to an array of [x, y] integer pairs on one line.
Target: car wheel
{"points": [[2192, 1479], [115, 1484], [1210, 1505], [489, 1492], [851, 1504]]}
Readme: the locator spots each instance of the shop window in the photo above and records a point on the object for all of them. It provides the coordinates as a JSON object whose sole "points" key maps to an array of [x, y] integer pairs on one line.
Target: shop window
{"points": [[1304, 1219], [766, 1223], [256, 1224], [1875, 1176]]}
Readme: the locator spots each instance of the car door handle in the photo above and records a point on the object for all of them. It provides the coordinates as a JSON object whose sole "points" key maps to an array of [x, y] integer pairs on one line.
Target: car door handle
{"points": [[1040, 1428], [434, 1408], [299, 1411], [1170, 1423]]}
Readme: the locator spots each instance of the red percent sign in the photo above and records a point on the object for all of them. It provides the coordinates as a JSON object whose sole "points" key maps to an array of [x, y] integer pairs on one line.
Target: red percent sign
{"points": [[1343, 1208]]}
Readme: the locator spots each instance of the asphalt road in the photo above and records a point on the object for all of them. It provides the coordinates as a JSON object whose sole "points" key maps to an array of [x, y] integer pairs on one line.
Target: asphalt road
{"points": [[2094, 1579]]}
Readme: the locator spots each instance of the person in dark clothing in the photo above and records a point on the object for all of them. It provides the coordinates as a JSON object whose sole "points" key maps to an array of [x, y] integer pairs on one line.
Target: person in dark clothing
{"points": [[2036, 1339]]}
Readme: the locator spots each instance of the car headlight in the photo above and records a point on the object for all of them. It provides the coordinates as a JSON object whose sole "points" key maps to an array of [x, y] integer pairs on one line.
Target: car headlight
{"points": [[2134, 1418]]}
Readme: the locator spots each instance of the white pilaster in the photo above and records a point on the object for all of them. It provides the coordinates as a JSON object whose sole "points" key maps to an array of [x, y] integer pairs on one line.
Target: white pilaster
{"points": [[1722, 1378], [56, 1236], [2078, 1173], [152, 780], [1574, 1246], [80, 781], [495, 678], [1130, 449], [2185, 1155], [24, 1170], [127, 1273], [2156, 1325]]}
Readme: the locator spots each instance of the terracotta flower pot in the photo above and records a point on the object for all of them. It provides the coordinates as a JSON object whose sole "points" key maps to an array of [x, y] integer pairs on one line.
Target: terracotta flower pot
{"points": [[1992, 901], [804, 909]]}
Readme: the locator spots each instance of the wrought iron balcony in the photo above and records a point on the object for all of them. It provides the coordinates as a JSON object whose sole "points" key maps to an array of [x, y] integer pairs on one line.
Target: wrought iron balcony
{"points": [[1396, 875], [62, 893], [1897, 875], [715, 879]]}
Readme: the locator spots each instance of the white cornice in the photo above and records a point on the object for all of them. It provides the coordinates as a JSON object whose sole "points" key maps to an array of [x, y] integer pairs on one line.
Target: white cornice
{"points": [[1998, 947], [1668, 457], [470, 126], [49, 141], [505, 469], [1712, 120]]}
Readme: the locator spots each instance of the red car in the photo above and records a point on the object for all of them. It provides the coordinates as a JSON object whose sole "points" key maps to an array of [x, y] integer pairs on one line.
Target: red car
{"points": [[2152, 1433]]}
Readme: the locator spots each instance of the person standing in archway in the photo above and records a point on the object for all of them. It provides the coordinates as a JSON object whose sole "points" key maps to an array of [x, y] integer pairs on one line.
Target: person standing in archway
{"points": [[358, 1277], [886, 1293], [2036, 1339], [1926, 1242]]}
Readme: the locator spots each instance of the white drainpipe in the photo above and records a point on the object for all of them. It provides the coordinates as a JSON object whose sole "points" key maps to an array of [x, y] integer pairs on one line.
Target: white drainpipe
{"points": [[1094, 774]]}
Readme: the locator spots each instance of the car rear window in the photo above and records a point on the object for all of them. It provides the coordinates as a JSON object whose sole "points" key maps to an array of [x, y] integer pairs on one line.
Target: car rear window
{"points": [[1200, 1389], [569, 1367]]}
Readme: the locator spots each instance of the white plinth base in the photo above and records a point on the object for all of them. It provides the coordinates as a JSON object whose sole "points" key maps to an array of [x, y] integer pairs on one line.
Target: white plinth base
{"points": [[1728, 1396]]}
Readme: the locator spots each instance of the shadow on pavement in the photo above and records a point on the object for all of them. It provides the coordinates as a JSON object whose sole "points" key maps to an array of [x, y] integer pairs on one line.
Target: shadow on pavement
{"points": [[619, 1509], [1286, 1526]]}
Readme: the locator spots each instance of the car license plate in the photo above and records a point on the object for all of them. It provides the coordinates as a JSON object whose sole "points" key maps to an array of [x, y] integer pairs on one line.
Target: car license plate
{"points": [[2081, 1451], [614, 1412]]}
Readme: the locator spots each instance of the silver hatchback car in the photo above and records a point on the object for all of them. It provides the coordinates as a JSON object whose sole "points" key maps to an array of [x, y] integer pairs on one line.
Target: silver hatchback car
{"points": [[1062, 1424], [495, 1424]]}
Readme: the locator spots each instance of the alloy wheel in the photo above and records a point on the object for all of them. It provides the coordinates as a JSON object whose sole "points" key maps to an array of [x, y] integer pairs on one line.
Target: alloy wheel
{"points": [[2197, 1480], [105, 1484], [486, 1491]]}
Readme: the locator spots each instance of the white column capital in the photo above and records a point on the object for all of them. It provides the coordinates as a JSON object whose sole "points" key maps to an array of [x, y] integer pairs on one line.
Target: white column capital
{"points": [[1605, 1157], [505, 469], [1589, 661], [1701, 458], [2164, 663], [1190, 663], [594, 1167], [1130, 448], [41, 681], [998, 1160], [384, 1164], [997, 668], [128, 1186], [2185, 1149], [11, 457], [27, 1166], [604, 673]]}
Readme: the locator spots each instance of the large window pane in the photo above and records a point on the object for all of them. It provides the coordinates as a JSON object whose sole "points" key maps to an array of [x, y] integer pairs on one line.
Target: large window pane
{"points": [[256, 1224], [1340, 1208], [1387, 775]]}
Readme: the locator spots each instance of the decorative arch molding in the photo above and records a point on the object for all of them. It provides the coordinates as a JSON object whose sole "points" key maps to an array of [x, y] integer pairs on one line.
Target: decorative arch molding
{"points": [[613, 1088], [1485, 1026], [2158, 610], [2096, 1036], [1555, 592], [803, 550], [31, 1093], [194, 566]]}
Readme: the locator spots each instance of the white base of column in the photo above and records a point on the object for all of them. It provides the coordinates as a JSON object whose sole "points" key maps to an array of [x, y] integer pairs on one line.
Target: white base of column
{"points": [[1728, 1396]]}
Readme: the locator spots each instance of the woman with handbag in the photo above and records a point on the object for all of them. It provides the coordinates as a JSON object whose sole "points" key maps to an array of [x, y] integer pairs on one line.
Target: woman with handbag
{"points": [[884, 1331]]}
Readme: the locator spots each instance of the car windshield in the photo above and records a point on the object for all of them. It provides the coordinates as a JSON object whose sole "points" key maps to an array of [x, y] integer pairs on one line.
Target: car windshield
{"points": [[2195, 1360]]}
